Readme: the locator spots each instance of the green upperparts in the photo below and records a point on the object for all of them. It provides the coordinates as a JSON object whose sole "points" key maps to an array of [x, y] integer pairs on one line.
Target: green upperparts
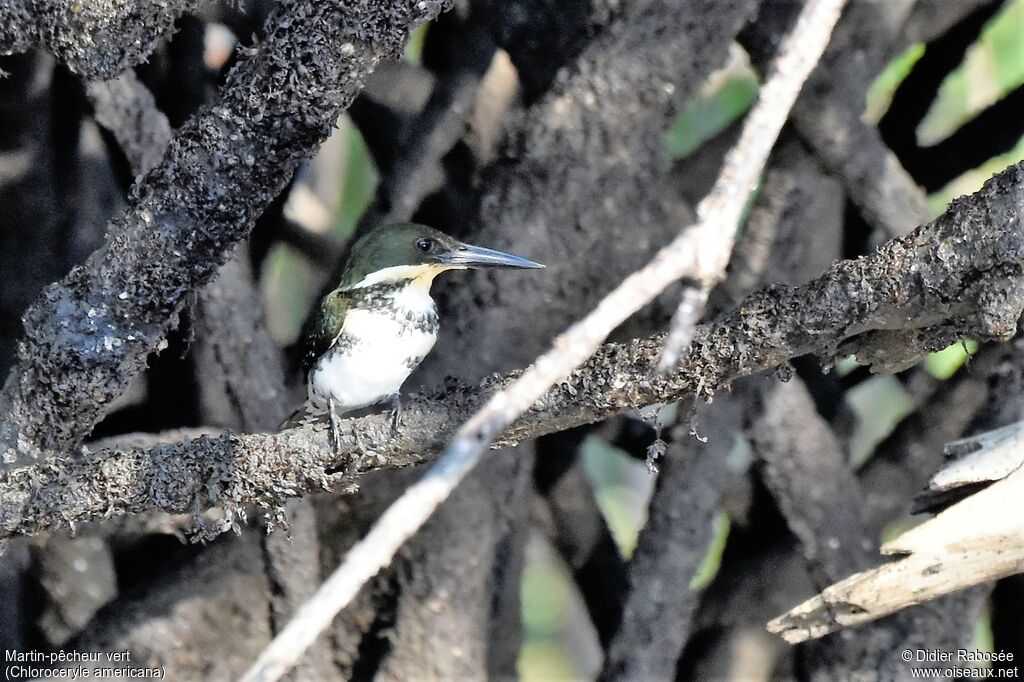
{"points": [[323, 331], [406, 250]]}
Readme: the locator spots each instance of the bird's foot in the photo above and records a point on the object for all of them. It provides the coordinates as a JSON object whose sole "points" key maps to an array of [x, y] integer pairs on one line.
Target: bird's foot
{"points": [[350, 468], [396, 413], [335, 428]]}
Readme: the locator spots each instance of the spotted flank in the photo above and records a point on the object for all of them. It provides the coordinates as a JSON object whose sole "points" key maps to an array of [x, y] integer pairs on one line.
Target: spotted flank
{"points": [[388, 328]]}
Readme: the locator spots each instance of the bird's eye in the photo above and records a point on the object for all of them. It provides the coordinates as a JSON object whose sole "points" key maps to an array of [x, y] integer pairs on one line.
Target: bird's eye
{"points": [[425, 245]]}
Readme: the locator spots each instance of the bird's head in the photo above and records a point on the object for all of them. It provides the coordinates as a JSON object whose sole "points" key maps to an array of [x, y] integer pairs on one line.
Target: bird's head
{"points": [[410, 251]]}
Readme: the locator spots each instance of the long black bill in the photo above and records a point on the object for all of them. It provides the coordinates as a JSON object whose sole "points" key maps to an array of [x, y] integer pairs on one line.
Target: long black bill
{"points": [[470, 256]]}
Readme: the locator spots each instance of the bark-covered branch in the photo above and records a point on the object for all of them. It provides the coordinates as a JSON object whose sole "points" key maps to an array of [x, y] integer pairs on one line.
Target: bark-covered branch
{"points": [[90, 334], [962, 275], [98, 39]]}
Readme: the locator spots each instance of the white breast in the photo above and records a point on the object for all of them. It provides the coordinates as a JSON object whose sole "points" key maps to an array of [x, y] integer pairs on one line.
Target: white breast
{"points": [[383, 351]]}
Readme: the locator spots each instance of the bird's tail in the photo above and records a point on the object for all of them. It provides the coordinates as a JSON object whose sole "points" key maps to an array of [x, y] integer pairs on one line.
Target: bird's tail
{"points": [[304, 415]]}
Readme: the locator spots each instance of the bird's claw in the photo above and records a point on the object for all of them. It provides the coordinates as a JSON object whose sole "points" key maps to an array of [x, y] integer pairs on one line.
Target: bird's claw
{"points": [[335, 429], [396, 413]]}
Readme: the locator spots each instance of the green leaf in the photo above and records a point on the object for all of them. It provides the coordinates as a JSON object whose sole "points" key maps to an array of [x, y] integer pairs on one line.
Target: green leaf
{"points": [[728, 95]]}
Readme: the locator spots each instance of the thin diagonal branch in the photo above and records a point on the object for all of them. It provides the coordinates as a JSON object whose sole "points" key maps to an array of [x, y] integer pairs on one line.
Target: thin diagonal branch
{"points": [[718, 214], [127, 109], [700, 252]]}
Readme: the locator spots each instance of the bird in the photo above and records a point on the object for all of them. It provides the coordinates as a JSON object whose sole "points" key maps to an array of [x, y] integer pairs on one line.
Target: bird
{"points": [[372, 330]]}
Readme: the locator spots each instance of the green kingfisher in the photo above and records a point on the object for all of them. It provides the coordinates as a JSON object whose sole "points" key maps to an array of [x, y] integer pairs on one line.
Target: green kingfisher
{"points": [[375, 328]]}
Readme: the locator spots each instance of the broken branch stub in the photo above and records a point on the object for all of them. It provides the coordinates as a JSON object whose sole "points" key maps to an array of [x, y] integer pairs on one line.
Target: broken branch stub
{"points": [[979, 539]]}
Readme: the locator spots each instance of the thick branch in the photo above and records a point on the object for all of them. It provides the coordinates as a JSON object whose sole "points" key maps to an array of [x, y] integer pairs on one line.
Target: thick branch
{"points": [[658, 610], [962, 274], [91, 333], [97, 39]]}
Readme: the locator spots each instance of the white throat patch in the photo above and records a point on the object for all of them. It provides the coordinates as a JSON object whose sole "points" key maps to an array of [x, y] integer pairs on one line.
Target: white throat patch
{"points": [[418, 274]]}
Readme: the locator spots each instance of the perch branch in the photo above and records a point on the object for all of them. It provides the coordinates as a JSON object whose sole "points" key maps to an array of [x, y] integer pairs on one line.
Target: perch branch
{"points": [[90, 334], [700, 253], [961, 275]]}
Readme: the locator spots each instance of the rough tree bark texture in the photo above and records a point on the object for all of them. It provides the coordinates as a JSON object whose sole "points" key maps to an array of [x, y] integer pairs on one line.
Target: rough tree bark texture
{"points": [[580, 180], [960, 275], [223, 168], [98, 40]]}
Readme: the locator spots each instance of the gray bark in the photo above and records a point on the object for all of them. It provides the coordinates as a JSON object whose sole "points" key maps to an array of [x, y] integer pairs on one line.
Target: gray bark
{"points": [[959, 276]]}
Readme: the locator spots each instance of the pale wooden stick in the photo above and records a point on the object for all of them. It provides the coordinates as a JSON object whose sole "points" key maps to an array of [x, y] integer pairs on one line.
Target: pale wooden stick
{"points": [[979, 539]]}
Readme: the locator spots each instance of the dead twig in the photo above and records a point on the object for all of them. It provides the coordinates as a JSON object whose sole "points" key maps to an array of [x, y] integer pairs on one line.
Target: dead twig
{"points": [[975, 541], [704, 249]]}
